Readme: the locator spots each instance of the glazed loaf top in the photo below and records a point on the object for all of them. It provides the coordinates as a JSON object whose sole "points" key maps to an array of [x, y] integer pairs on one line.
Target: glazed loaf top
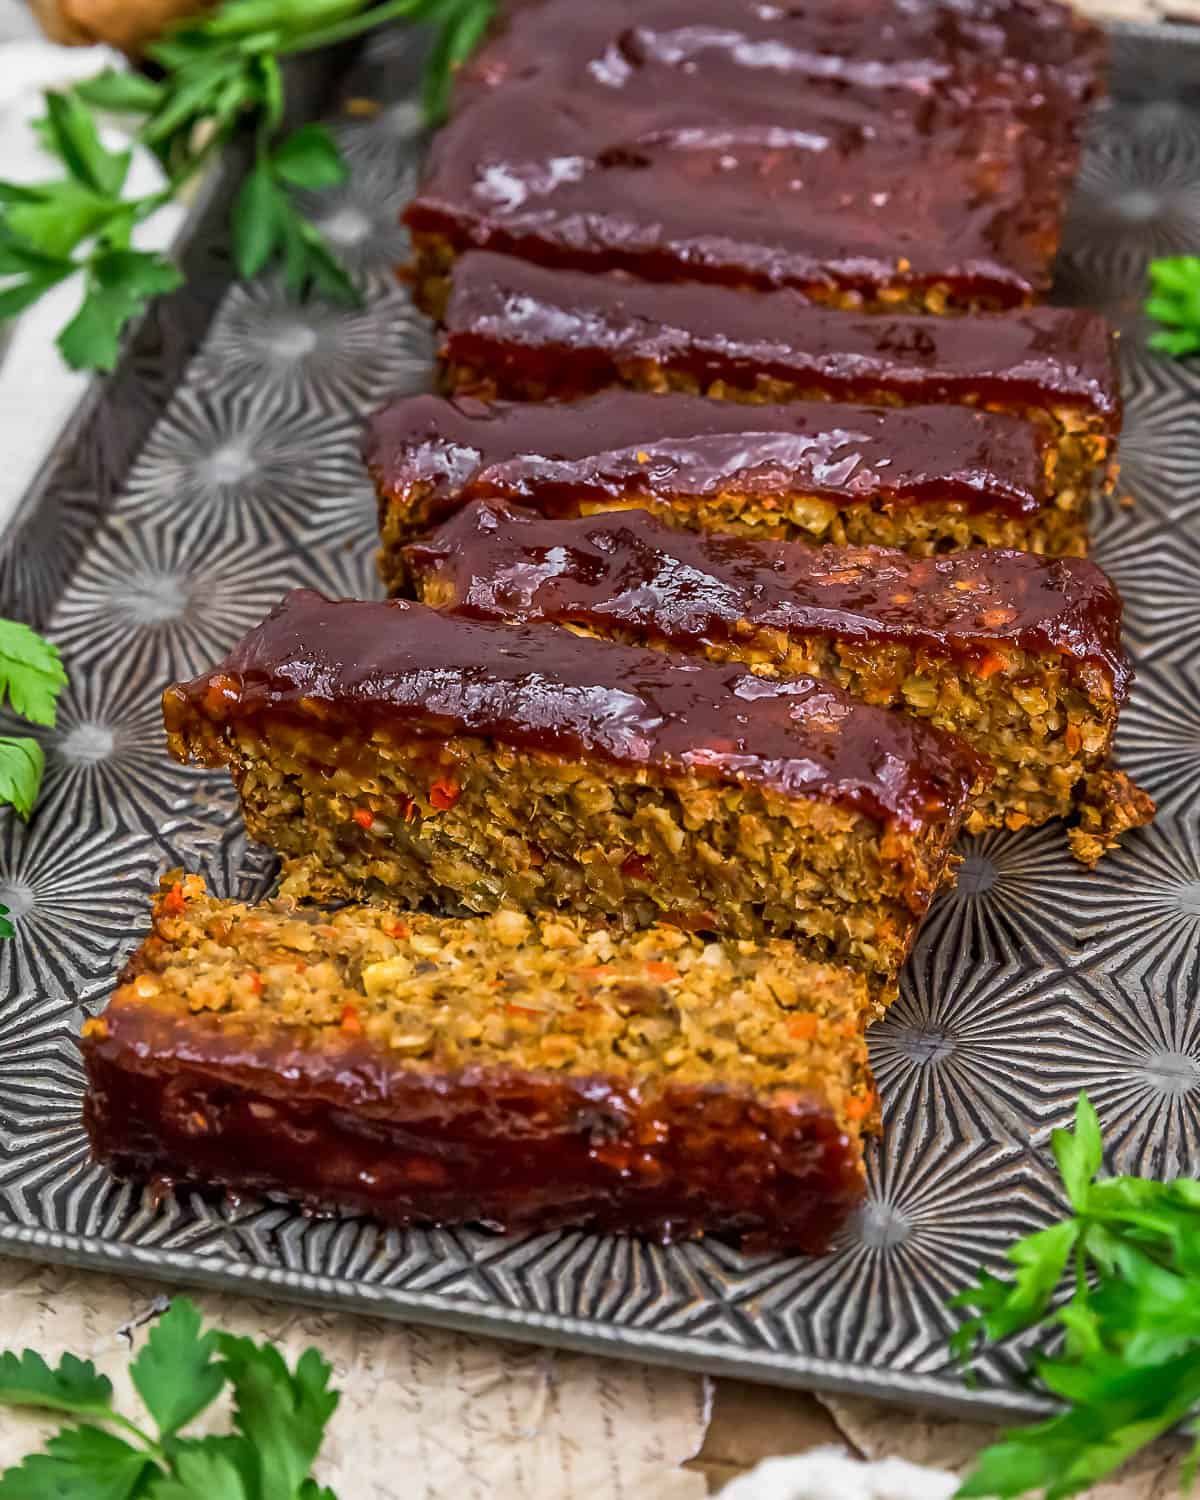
{"points": [[415, 672], [627, 570], [818, 145], [573, 329], [620, 442]]}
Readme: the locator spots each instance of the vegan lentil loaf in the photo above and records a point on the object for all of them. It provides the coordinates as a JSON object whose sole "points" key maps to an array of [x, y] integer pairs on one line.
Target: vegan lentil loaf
{"points": [[522, 1072], [389, 751], [929, 478], [1019, 654], [890, 154], [525, 332]]}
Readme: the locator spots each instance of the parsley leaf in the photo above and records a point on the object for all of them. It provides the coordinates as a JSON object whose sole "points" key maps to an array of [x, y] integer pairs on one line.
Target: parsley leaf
{"points": [[120, 284], [1175, 302], [220, 73], [283, 1414], [258, 214], [31, 677], [265, 223], [1128, 1369], [80, 1463], [309, 158], [76, 140], [121, 91], [176, 1373], [201, 1473], [31, 672], [14, 299], [460, 33], [1079, 1155], [73, 1385], [57, 217], [22, 763]]}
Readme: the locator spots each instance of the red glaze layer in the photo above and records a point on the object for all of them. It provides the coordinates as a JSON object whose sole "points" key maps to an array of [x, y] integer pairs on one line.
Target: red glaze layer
{"points": [[571, 333], [416, 672], [828, 147], [552, 455], [198, 1100], [627, 570]]}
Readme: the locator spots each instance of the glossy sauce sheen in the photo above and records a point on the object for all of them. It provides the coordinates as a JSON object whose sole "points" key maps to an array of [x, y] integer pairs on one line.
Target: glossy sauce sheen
{"points": [[573, 331], [621, 442], [628, 570], [846, 143], [422, 673], [353, 1127]]}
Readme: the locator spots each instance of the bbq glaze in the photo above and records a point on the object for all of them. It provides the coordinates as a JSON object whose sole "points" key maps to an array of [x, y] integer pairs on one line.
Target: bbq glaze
{"points": [[415, 672], [571, 332], [627, 570], [828, 147], [193, 1099], [619, 442]]}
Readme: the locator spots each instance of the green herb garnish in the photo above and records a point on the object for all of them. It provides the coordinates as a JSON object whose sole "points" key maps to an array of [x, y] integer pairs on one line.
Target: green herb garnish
{"points": [[220, 75], [1129, 1366], [31, 678], [1174, 302], [279, 1421]]}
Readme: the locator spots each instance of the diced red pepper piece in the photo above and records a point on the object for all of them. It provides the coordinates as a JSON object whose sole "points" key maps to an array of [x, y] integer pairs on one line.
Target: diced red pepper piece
{"points": [[661, 971]]}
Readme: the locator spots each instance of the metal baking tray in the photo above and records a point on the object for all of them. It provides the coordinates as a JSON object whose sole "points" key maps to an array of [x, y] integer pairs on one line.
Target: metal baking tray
{"points": [[219, 467]]}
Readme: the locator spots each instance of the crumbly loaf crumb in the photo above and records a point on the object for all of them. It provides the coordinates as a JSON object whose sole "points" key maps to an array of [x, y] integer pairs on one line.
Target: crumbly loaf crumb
{"points": [[1111, 804], [548, 993]]}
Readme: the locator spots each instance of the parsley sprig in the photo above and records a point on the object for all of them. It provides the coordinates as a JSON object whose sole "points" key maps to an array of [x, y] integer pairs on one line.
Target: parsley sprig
{"points": [[279, 1421], [1129, 1365], [219, 75], [31, 678], [1175, 303]]}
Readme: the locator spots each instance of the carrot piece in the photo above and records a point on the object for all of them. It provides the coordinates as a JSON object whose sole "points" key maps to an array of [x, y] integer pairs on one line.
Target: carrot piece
{"points": [[661, 971], [992, 663], [363, 816], [803, 1026]]}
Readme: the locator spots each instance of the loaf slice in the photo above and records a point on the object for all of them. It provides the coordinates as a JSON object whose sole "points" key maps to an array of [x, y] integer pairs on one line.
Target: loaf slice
{"points": [[1019, 654], [928, 479], [519, 1073], [882, 155], [527, 332], [393, 752]]}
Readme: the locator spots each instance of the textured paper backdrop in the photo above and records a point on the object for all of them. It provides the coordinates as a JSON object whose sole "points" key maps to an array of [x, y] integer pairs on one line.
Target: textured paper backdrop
{"points": [[425, 1415]]}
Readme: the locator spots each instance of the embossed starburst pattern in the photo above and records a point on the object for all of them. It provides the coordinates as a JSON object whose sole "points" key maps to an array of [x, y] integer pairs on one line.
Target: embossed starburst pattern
{"points": [[1031, 979], [1012, 901], [342, 360]]}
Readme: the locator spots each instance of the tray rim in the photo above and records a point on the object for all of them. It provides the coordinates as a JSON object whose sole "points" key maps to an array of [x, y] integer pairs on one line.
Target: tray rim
{"points": [[554, 1330], [795, 1370]]}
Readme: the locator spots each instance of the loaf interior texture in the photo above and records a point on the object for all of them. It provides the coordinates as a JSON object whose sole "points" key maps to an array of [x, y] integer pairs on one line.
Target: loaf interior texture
{"points": [[1019, 654], [392, 752], [523, 1072]]}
